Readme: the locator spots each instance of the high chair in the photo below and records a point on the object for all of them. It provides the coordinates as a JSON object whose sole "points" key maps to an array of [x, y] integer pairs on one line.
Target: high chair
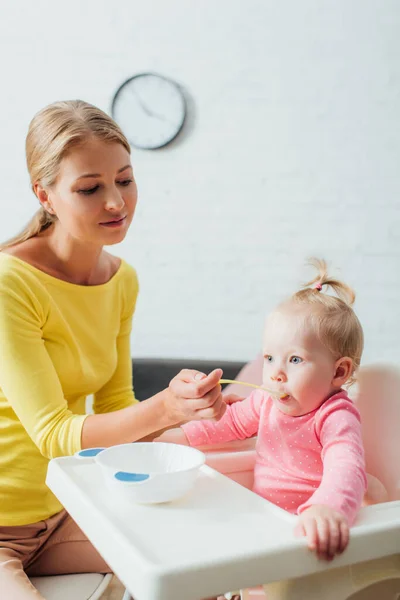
{"points": [[378, 400]]}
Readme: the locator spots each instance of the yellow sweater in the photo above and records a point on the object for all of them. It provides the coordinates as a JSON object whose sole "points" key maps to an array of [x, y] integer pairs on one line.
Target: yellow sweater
{"points": [[59, 342]]}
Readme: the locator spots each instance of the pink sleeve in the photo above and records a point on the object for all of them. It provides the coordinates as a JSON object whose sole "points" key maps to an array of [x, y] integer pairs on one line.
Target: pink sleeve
{"points": [[239, 422], [344, 479]]}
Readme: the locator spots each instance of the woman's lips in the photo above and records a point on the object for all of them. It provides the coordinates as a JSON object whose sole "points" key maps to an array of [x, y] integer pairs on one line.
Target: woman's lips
{"points": [[114, 223]]}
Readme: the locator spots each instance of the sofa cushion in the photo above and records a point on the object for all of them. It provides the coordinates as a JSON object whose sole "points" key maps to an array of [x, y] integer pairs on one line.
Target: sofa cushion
{"points": [[151, 375]]}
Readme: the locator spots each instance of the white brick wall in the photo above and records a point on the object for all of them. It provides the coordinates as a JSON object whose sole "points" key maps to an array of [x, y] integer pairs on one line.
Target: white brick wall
{"points": [[292, 149]]}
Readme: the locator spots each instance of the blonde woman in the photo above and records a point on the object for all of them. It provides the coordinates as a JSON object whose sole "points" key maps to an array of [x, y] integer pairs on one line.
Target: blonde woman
{"points": [[66, 308]]}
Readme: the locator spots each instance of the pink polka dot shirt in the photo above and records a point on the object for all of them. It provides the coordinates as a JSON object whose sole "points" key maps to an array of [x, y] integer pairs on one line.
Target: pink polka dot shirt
{"points": [[317, 458]]}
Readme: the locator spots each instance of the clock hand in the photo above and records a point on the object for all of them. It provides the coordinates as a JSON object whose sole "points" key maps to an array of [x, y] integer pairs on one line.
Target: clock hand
{"points": [[146, 110], [143, 106]]}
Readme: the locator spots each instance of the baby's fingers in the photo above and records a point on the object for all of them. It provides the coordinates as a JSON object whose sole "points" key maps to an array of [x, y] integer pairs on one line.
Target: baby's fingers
{"points": [[310, 528], [322, 538], [334, 542], [299, 530]]}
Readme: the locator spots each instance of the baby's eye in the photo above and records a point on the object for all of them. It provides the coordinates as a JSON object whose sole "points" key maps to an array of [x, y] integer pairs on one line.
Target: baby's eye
{"points": [[296, 360], [268, 358]]}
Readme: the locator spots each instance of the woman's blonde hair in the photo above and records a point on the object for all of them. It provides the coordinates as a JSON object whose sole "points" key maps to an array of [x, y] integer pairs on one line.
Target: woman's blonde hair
{"points": [[53, 132], [333, 319]]}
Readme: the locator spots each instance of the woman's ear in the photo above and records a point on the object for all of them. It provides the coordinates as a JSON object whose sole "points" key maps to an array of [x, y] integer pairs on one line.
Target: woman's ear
{"points": [[43, 197], [344, 368]]}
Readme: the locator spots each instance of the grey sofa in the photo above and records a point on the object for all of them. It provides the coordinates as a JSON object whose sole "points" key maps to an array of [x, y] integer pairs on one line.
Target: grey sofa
{"points": [[151, 375]]}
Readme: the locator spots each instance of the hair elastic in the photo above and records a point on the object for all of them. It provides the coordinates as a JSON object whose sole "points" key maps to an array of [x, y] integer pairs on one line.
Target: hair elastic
{"points": [[318, 286]]}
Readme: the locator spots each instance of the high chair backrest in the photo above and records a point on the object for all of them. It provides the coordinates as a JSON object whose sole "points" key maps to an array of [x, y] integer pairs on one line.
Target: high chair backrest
{"points": [[378, 400]]}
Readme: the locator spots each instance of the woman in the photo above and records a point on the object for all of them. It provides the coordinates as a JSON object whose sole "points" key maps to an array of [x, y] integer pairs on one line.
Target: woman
{"points": [[66, 308]]}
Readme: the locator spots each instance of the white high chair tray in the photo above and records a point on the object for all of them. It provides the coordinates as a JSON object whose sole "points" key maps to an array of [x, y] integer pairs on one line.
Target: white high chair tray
{"points": [[219, 537]]}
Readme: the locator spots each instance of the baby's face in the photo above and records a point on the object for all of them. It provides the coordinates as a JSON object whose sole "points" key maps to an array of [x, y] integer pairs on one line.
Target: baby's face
{"points": [[296, 362]]}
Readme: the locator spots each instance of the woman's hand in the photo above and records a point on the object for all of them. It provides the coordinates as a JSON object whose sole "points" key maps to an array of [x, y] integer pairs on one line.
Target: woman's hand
{"points": [[327, 530], [193, 396]]}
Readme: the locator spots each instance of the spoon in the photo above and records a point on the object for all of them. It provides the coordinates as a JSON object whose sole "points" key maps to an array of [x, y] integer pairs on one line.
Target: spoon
{"points": [[253, 385]]}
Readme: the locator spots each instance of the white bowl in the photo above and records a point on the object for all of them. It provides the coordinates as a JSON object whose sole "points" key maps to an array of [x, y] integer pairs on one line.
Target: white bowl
{"points": [[165, 471]]}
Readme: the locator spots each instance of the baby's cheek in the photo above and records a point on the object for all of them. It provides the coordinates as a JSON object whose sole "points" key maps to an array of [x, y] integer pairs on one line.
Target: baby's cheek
{"points": [[310, 391], [266, 379]]}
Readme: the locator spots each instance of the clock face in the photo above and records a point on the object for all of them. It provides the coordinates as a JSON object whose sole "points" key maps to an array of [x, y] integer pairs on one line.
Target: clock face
{"points": [[150, 109]]}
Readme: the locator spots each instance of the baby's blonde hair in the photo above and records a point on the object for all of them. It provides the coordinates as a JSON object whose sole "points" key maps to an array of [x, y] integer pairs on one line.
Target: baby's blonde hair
{"points": [[332, 317], [53, 132]]}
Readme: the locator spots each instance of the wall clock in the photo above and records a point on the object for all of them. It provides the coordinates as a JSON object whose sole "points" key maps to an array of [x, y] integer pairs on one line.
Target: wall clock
{"points": [[150, 109]]}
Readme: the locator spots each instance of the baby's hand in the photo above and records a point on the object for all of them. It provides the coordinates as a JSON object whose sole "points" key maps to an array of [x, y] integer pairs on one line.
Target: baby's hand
{"points": [[327, 530], [232, 398]]}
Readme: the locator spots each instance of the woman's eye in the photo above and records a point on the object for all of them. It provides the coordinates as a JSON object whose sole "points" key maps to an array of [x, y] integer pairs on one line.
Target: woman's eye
{"points": [[126, 182], [268, 358], [296, 360], [89, 191]]}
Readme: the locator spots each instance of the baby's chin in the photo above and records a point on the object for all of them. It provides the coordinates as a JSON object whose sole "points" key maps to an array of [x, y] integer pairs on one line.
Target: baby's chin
{"points": [[289, 406]]}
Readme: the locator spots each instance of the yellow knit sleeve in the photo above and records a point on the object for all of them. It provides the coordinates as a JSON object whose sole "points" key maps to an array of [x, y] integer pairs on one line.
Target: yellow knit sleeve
{"points": [[118, 393], [28, 378]]}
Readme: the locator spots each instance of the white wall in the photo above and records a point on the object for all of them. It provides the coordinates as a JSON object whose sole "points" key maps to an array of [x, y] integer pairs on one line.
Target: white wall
{"points": [[292, 150]]}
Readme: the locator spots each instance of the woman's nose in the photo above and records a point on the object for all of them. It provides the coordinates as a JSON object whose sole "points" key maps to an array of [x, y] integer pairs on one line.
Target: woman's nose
{"points": [[115, 201]]}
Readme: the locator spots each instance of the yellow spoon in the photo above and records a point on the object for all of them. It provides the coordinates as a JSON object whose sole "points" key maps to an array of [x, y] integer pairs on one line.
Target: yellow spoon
{"points": [[253, 385]]}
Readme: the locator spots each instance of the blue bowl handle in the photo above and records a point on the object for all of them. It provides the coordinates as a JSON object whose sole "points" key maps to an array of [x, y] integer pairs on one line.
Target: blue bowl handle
{"points": [[126, 477], [89, 452]]}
